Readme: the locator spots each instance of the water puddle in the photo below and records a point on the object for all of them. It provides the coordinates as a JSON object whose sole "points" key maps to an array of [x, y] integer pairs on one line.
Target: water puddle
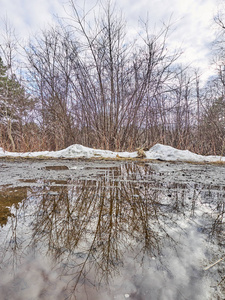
{"points": [[41, 182], [10, 197], [28, 180], [56, 168], [117, 235]]}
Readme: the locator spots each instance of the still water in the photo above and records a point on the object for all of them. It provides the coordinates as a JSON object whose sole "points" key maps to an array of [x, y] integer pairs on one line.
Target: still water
{"points": [[119, 234]]}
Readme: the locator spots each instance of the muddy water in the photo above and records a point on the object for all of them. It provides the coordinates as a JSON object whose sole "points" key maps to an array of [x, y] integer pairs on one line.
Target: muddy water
{"points": [[111, 231]]}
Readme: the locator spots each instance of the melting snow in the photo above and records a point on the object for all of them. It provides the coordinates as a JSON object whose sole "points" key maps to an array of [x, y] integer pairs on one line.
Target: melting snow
{"points": [[158, 151]]}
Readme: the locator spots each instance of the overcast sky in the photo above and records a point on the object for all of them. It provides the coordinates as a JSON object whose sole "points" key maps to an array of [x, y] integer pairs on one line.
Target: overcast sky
{"points": [[192, 20]]}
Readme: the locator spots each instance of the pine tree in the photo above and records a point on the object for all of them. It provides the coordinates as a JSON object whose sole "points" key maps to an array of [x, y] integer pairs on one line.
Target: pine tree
{"points": [[3, 85], [14, 106]]}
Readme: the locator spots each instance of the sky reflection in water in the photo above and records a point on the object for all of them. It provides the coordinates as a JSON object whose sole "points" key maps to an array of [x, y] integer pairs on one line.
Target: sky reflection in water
{"points": [[116, 235]]}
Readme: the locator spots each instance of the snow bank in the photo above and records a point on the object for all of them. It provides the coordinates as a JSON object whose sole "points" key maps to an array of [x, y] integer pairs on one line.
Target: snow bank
{"points": [[169, 153], [161, 152]]}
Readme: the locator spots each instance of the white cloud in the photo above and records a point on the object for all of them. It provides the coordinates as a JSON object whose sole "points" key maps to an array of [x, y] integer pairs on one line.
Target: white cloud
{"points": [[192, 19], [29, 16]]}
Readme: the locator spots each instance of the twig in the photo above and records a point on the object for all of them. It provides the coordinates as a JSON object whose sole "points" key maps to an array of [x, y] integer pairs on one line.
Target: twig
{"points": [[215, 263]]}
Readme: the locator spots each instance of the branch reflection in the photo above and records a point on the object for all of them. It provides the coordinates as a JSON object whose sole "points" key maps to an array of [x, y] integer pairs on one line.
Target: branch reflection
{"points": [[90, 229]]}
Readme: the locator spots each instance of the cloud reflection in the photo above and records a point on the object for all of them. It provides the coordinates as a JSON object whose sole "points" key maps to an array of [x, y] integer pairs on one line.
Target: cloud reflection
{"points": [[120, 233]]}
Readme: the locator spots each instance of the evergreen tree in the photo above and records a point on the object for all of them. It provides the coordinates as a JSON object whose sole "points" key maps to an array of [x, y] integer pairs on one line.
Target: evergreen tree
{"points": [[14, 106]]}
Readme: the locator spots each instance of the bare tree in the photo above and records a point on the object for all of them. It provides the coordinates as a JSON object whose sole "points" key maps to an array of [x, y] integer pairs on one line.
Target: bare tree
{"points": [[116, 83], [97, 88], [49, 74]]}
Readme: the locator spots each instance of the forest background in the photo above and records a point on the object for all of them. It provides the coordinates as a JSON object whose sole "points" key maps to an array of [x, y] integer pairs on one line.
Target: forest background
{"points": [[84, 81]]}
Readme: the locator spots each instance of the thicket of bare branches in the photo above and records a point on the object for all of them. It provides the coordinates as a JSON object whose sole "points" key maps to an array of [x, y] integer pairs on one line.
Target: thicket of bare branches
{"points": [[87, 82]]}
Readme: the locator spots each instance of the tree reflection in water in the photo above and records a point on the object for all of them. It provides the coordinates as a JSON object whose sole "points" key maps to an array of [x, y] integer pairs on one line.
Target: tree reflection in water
{"points": [[119, 233]]}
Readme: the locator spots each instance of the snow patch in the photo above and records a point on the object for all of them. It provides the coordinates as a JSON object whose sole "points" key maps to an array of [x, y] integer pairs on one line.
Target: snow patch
{"points": [[158, 151], [169, 153]]}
